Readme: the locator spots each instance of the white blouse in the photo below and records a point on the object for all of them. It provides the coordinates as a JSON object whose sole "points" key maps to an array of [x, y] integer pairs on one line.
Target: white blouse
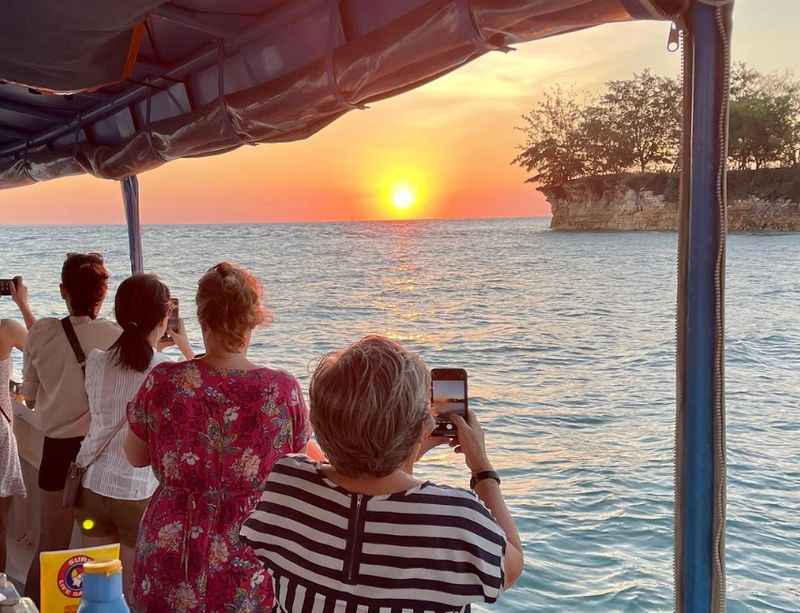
{"points": [[110, 388]]}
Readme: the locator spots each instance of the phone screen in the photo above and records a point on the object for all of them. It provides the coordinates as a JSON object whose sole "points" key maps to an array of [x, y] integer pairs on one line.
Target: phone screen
{"points": [[174, 315], [5, 287], [174, 321], [448, 396]]}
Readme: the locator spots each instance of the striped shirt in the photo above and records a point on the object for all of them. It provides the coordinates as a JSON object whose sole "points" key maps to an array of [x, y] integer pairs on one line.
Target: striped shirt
{"points": [[430, 549]]}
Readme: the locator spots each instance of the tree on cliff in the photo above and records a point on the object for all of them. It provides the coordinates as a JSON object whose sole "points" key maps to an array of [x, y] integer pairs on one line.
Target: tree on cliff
{"points": [[642, 117], [635, 124], [553, 147], [764, 119]]}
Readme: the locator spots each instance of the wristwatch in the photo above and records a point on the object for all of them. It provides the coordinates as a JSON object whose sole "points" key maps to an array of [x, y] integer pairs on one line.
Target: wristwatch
{"points": [[481, 476]]}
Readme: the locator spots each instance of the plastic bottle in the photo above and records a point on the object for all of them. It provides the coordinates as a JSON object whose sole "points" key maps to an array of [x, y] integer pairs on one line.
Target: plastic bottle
{"points": [[102, 588]]}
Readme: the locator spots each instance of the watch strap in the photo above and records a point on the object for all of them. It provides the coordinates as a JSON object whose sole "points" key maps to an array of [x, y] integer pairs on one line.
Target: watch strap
{"points": [[482, 476]]}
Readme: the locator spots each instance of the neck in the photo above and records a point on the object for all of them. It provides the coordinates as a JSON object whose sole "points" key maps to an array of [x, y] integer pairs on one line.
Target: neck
{"points": [[222, 357], [397, 481], [153, 338]]}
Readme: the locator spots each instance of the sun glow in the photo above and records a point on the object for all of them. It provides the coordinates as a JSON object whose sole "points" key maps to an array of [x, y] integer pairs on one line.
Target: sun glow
{"points": [[403, 197]]}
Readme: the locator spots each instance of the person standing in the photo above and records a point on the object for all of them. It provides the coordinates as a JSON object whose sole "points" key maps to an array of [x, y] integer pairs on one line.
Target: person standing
{"points": [[211, 428], [53, 385], [114, 493], [12, 336], [363, 533]]}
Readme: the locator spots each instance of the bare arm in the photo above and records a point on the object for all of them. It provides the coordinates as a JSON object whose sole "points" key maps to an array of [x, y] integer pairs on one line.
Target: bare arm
{"points": [[19, 294], [471, 443], [136, 450], [17, 333], [30, 377]]}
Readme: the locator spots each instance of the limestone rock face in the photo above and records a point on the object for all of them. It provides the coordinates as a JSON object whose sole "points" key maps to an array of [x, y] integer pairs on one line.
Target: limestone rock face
{"points": [[619, 203]]}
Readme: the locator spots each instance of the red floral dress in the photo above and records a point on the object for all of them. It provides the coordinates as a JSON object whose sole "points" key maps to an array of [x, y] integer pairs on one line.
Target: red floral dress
{"points": [[213, 437]]}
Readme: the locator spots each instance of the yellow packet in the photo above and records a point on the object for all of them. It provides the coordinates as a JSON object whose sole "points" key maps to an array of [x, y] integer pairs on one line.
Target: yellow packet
{"points": [[62, 575]]}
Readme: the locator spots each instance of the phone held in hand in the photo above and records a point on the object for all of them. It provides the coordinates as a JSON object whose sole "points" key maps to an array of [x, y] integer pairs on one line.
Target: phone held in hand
{"points": [[174, 321], [448, 396], [5, 286]]}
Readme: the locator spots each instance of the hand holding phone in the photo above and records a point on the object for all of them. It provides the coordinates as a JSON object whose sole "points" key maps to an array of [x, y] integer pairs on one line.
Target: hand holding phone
{"points": [[448, 397], [174, 321], [7, 286]]}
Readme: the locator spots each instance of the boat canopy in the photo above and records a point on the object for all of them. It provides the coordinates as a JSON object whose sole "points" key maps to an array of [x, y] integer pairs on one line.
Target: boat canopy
{"points": [[116, 87]]}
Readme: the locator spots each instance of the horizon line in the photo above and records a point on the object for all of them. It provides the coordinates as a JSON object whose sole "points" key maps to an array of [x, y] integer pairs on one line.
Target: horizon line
{"points": [[278, 223]]}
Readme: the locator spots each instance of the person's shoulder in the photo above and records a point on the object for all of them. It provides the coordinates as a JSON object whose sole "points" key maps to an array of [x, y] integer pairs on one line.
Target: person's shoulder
{"points": [[46, 323], [456, 497], [97, 356], [106, 325], [298, 461], [42, 329], [296, 465], [162, 366], [280, 376]]}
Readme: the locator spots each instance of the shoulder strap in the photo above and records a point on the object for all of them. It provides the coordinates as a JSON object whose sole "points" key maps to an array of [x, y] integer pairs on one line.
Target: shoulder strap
{"points": [[107, 442], [66, 323]]}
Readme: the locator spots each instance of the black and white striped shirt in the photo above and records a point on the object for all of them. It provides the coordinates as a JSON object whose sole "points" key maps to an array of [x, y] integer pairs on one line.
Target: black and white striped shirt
{"points": [[430, 549]]}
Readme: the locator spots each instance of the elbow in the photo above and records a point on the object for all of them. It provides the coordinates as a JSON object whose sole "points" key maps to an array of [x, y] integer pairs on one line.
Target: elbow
{"points": [[136, 451], [137, 462], [515, 564]]}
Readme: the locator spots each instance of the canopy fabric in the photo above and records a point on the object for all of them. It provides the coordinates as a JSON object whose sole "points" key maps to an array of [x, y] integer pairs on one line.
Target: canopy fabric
{"points": [[151, 81]]}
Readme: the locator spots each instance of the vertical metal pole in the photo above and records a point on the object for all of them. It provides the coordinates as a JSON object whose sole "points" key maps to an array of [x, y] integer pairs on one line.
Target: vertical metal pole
{"points": [[130, 195], [700, 432]]}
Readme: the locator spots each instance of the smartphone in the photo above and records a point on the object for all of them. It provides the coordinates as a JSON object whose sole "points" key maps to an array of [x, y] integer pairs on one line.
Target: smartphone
{"points": [[5, 286], [174, 322], [448, 396]]}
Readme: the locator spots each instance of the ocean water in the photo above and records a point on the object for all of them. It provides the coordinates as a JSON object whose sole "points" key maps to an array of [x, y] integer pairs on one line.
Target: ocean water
{"points": [[569, 344]]}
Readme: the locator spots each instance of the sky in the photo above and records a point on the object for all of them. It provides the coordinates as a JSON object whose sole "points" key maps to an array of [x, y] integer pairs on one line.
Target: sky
{"points": [[442, 150]]}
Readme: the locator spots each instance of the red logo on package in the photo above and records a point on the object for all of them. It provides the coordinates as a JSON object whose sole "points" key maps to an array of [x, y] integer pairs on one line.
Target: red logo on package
{"points": [[70, 576]]}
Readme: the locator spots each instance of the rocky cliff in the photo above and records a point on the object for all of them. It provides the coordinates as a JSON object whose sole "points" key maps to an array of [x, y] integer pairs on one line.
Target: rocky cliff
{"points": [[760, 200]]}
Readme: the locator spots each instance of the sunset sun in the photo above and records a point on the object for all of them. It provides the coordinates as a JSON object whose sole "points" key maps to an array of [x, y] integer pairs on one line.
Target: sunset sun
{"points": [[403, 197]]}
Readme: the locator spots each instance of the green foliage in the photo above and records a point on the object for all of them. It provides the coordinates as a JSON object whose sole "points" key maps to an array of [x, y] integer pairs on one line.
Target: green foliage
{"points": [[553, 132], [764, 119], [634, 125]]}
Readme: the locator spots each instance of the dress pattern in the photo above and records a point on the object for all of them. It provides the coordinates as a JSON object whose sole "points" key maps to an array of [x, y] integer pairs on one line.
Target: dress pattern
{"points": [[213, 437], [11, 482]]}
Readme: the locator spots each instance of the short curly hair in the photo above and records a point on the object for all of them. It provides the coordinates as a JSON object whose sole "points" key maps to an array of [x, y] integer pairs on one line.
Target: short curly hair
{"points": [[229, 304], [369, 403]]}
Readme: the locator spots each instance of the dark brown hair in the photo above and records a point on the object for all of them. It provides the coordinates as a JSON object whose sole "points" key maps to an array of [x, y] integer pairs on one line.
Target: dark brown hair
{"points": [[229, 304], [85, 279], [141, 303]]}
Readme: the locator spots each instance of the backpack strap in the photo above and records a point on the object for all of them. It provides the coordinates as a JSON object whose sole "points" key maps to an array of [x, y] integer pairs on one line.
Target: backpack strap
{"points": [[69, 330]]}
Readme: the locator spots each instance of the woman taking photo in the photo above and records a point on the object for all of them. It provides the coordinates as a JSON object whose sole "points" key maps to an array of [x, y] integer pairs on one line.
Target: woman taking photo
{"points": [[362, 533], [115, 493], [12, 336], [211, 428]]}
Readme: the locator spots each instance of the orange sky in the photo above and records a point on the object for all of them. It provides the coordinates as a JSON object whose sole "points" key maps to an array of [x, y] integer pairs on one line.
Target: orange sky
{"points": [[451, 141]]}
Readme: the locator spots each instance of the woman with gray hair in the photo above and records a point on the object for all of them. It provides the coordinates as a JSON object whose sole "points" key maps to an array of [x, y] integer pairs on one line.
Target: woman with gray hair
{"points": [[361, 533]]}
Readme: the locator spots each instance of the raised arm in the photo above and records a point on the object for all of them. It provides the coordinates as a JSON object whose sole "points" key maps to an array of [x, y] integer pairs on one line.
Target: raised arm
{"points": [[471, 443], [19, 294]]}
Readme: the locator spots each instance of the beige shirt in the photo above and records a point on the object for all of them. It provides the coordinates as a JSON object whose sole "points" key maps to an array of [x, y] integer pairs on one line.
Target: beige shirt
{"points": [[52, 378]]}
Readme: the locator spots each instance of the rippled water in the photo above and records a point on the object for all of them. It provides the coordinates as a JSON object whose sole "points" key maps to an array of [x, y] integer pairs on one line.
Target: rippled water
{"points": [[569, 343]]}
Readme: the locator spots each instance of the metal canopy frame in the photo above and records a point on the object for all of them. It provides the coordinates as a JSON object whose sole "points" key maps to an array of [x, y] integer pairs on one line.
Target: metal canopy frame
{"points": [[700, 497]]}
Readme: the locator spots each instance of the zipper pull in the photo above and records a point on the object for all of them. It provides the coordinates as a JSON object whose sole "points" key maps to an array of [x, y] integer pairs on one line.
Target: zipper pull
{"points": [[674, 38]]}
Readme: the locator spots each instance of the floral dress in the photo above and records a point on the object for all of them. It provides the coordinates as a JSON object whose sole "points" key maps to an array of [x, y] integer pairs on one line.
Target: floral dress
{"points": [[213, 437]]}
